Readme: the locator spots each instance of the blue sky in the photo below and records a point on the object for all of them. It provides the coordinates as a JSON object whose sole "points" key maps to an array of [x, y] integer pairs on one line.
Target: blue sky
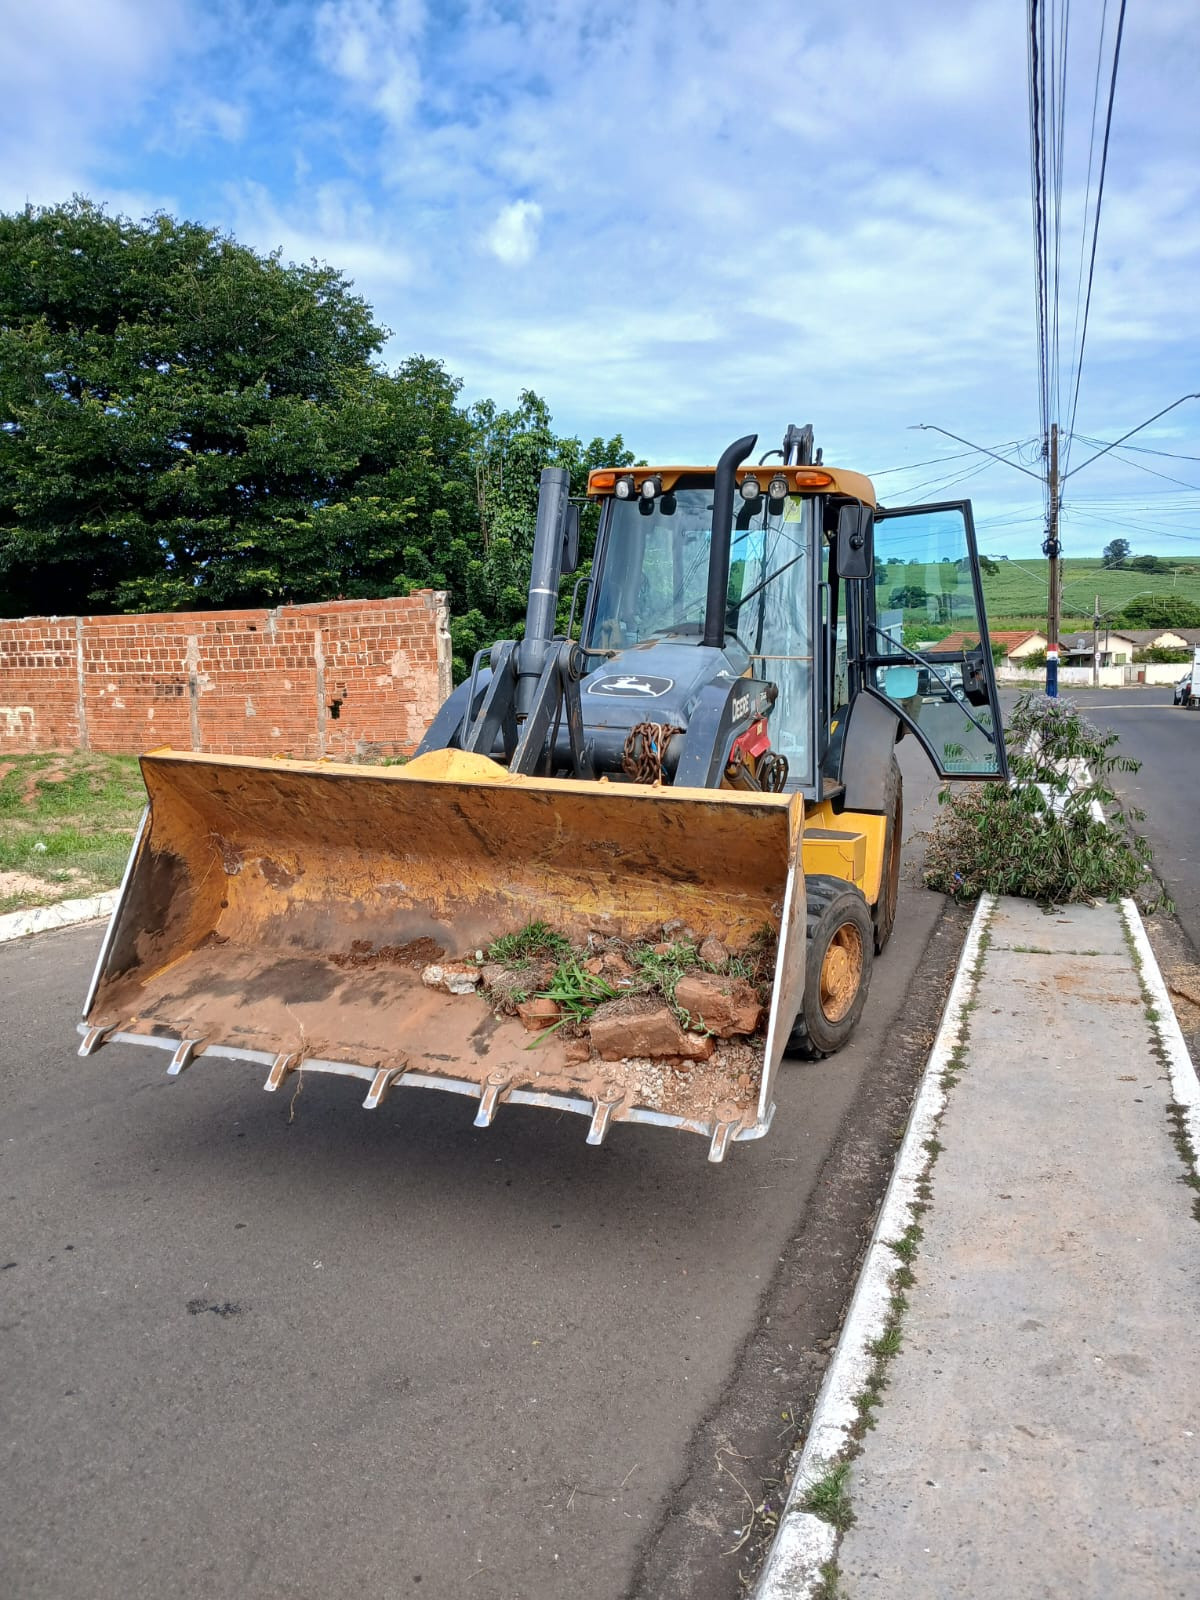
{"points": [[681, 221]]}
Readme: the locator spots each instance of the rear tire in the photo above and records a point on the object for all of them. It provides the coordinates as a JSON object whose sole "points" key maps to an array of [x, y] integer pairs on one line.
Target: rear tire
{"points": [[883, 912], [837, 973]]}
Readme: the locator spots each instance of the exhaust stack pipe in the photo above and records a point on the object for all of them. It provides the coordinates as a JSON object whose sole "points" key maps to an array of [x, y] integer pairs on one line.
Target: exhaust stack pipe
{"points": [[722, 540], [553, 500]]}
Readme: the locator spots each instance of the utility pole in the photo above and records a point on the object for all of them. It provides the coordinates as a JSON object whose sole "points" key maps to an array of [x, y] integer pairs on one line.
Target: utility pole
{"points": [[1096, 643], [1051, 547]]}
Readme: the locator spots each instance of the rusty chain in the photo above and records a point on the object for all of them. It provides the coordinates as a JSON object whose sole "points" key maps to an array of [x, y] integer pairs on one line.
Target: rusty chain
{"points": [[642, 757]]}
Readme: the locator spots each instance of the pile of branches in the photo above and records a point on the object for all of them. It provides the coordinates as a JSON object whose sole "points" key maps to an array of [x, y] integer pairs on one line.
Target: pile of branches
{"points": [[1058, 832]]}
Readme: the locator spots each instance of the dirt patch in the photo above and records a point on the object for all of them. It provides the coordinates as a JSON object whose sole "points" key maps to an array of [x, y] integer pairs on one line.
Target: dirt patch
{"points": [[1180, 967], [377, 1013], [40, 777], [417, 953], [13, 883]]}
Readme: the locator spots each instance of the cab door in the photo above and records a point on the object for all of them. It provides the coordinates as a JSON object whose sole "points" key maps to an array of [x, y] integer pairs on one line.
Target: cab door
{"points": [[926, 650]]}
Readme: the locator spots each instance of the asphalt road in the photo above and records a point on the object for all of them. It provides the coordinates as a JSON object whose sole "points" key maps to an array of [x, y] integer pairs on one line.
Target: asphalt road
{"points": [[1165, 738], [388, 1354]]}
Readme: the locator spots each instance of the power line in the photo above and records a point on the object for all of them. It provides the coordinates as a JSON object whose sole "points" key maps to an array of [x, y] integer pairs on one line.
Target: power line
{"points": [[1130, 434], [954, 455], [1145, 450], [1087, 304], [1142, 467]]}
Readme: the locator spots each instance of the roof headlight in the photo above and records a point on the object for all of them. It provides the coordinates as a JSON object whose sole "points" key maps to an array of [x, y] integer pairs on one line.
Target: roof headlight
{"points": [[777, 489], [750, 488], [623, 489]]}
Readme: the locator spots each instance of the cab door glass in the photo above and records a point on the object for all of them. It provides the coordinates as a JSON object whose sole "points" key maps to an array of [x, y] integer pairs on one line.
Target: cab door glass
{"points": [[928, 648]]}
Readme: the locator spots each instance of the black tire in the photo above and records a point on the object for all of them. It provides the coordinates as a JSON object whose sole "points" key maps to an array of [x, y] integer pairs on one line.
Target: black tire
{"points": [[839, 920], [883, 912]]}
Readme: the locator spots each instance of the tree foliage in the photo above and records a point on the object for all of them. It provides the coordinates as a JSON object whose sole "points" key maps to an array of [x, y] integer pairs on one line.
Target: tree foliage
{"points": [[1058, 832], [1159, 611], [1115, 552], [185, 423]]}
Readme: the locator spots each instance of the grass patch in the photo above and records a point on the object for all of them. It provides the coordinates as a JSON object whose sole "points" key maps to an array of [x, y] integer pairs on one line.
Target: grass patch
{"points": [[66, 825], [576, 991], [1017, 590], [829, 1497], [533, 940]]}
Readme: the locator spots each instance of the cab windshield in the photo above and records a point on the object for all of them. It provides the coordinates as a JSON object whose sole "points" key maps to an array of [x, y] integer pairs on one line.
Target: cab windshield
{"points": [[653, 584]]}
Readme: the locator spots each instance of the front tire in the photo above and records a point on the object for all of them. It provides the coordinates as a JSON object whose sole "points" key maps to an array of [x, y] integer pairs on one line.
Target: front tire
{"points": [[838, 957]]}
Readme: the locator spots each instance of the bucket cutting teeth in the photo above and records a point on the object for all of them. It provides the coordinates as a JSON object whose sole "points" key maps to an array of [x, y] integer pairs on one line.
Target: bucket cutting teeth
{"points": [[490, 1098], [380, 1084], [93, 1039], [602, 1116], [284, 1063], [183, 1056], [722, 1134]]}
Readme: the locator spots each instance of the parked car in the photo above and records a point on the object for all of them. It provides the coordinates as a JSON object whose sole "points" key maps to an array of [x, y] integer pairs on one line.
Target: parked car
{"points": [[1183, 691]]}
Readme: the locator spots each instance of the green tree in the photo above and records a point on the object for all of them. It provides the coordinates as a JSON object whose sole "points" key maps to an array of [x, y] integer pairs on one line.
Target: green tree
{"points": [[509, 450], [184, 422], [1159, 611], [910, 598], [1148, 564], [1114, 553]]}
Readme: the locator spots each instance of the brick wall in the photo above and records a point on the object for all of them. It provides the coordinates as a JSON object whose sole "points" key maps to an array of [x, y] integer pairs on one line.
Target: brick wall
{"points": [[346, 679]]}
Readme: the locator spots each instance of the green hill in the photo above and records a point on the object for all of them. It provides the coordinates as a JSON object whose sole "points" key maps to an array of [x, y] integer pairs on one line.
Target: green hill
{"points": [[1017, 592]]}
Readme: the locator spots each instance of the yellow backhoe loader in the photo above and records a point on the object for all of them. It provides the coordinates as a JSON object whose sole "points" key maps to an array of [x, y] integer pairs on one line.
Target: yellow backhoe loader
{"points": [[710, 755]]}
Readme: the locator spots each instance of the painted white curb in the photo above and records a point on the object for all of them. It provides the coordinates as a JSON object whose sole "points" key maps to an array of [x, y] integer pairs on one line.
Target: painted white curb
{"points": [[1185, 1087], [17, 924], [804, 1542]]}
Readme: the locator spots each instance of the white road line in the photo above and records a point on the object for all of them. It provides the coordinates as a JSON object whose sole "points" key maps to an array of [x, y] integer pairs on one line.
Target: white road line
{"points": [[804, 1542], [1185, 1087]]}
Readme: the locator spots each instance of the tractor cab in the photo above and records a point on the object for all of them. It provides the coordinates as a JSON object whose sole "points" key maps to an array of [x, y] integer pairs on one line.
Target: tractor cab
{"points": [[824, 599]]}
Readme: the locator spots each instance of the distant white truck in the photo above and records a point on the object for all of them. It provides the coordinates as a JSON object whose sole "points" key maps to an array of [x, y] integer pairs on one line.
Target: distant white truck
{"points": [[1187, 690]]}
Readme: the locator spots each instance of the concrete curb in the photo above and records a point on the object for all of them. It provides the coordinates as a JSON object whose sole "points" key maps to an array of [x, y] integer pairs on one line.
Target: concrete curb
{"points": [[1185, 1086], [18, 924], [804, 1542]]}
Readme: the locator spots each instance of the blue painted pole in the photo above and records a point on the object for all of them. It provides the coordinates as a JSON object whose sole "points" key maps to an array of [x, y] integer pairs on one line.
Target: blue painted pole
{"points": [[1052, 672]]}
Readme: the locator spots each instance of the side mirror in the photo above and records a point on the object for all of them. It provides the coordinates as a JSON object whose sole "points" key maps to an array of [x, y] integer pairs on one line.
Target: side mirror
{"points": [[570, 543], [855, 540]]}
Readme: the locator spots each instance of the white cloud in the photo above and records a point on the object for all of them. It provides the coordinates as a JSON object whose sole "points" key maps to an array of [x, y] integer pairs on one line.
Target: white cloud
{"points": [[372, 45], [208, 116], [774, 213], [72, 77], [334, 223], [513, 237]]}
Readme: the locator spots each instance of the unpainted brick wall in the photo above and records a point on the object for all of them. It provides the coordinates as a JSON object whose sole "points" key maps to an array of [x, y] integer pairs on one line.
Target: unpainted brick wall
{"points": [[346, 679]]}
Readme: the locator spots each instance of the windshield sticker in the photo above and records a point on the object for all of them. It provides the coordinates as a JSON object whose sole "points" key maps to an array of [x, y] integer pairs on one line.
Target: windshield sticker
{"points": [[629, 687]]}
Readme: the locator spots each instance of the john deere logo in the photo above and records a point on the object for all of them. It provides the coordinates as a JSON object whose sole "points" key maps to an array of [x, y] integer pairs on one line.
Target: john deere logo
{"points": [[630, 687]]}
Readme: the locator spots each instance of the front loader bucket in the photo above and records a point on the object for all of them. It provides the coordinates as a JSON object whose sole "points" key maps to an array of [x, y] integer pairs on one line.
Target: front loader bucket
{"points": [[281, 913]]}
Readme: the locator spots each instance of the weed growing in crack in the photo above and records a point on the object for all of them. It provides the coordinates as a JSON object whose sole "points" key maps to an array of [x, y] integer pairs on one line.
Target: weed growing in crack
{"points": [[829, 1497], [829, 1584], [906, 1245]]}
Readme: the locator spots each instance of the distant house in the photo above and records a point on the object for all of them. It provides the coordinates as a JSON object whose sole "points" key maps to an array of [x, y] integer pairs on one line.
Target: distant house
{"points": [[1116, 649], [1018, 643], [1163, 638]]}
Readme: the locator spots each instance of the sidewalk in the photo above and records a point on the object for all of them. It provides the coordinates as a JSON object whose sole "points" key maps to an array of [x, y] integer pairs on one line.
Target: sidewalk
{"points": [[1038, 1430]]}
